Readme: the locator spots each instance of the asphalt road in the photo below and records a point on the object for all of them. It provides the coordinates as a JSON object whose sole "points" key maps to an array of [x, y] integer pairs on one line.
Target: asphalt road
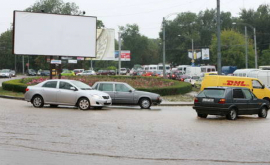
{"points": [[122, 135]]}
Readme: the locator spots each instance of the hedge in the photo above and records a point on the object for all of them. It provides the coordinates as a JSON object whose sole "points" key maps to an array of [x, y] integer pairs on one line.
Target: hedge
{"points": [[19, 85], [14, 85]]}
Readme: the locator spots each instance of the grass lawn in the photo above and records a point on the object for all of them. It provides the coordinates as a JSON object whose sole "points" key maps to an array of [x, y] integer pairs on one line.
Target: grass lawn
{"points": [[10, 93]]}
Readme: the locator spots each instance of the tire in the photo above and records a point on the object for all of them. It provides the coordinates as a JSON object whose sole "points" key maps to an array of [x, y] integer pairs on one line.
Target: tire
{"points": [[202, 115], [84, 104], [232, 115], [53, 105], [263, 112], [38, 101], [145, 103]]}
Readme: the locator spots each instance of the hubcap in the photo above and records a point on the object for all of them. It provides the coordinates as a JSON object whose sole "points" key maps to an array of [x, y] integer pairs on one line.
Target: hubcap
{"points": [[37, 101], [264, 112], [145, 103], [84, 104], [233, 114]]}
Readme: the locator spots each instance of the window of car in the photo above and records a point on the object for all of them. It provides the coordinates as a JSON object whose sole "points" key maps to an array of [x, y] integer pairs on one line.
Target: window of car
{"points": [[65, 85], [105, 87], [256, 84], [248, 94], [216, 93], [50, 84], [238, 94], [121, 88], [81, 85]]}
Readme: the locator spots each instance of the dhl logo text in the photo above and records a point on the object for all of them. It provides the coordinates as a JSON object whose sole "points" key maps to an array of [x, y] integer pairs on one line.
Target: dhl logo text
{"points": [[236, 83]]}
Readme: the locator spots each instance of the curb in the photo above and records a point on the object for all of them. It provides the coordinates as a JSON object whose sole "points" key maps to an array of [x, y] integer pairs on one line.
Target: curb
{"points": [[166, 104], [11, 97]]}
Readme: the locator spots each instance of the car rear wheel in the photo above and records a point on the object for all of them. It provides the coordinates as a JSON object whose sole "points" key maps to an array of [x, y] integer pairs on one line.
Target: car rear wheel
{"points": [[263, 112], [38, 102], [84, 104], [145, 103], [232, 115], [202, 115]]}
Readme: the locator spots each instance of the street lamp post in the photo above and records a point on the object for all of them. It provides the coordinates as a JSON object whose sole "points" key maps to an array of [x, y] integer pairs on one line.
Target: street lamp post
{"points": [[119, 55], [255, 43]]}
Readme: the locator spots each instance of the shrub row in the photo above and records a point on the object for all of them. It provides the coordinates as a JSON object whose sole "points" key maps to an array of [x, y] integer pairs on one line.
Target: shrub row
{"points": [[14, 85], [19, 85]]}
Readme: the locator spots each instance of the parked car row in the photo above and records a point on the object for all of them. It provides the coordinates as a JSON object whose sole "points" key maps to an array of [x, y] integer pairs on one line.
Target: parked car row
{"points": [[7, 73], [70, 92]]}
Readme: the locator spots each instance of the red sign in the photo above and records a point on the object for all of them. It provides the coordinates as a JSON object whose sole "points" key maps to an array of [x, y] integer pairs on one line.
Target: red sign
{"points": [[236, 83]]}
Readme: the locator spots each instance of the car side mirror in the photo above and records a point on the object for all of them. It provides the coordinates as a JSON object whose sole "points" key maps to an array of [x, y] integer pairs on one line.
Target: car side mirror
{"points": [[263, 86], [130, 91], [73, 88]]}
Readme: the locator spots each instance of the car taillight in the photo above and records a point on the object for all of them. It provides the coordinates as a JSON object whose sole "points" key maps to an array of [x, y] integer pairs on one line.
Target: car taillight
{"points": [[27, 89], [196, 100], [222, 101]]}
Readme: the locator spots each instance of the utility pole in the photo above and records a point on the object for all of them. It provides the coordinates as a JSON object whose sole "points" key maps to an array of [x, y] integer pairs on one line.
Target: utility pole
{"points": [[119, 57], [255, 46], [192, 47], [164, 71], [218, 39], [246, 47]]}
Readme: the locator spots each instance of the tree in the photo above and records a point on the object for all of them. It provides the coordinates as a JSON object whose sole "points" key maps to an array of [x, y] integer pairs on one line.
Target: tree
{"points": [[143, 50], [233, 49]]}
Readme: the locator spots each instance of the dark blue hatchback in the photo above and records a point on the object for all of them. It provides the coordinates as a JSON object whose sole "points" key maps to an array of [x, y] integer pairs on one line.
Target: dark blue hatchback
{"points": [[229, 102]]}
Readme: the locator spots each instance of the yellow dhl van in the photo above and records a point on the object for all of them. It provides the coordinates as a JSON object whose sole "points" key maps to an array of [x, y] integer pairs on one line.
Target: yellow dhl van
{"points": [[253, 84]]}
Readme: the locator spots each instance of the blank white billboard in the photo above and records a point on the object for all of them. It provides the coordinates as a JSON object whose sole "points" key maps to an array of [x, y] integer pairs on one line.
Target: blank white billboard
{"points": [[54, 35]]}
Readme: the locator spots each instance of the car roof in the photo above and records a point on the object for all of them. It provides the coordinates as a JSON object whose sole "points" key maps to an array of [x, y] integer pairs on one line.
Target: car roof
{"points": [[111, 82]]}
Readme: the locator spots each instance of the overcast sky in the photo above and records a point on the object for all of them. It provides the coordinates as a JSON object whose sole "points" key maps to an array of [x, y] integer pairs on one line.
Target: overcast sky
{"points": [[147, 14]]}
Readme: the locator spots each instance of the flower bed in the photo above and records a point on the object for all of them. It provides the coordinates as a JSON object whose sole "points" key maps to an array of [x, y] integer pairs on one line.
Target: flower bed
{"points": [[151, 84]]}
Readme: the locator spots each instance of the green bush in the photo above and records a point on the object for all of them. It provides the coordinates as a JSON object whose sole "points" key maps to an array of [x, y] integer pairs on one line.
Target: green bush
{"points": [[14, 85]]}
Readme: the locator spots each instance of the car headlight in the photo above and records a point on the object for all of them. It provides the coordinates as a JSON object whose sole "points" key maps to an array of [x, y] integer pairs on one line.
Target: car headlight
{"points": [[97, 96]]}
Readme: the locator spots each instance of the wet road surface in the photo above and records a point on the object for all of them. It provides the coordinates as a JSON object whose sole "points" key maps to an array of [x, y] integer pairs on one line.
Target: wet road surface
{"points": [[121, 135]]}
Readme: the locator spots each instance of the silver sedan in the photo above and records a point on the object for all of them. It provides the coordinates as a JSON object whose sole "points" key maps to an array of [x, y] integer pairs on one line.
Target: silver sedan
{"points": [[66, 92]]}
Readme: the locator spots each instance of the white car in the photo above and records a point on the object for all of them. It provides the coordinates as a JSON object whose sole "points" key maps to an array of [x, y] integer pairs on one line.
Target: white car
{"points": [[6, 73], [87, 73], [192, 79], [123, 71], [66, 92]]}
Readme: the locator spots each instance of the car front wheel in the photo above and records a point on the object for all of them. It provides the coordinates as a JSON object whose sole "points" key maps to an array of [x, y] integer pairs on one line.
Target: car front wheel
{"points": [[38, 102], [145, 103], [263, 112], [84, 104], [232, 115]]}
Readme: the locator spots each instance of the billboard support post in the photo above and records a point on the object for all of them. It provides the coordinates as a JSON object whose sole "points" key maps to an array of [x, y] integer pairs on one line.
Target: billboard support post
{"points": [[50, 67], [59, 68], [119, 55], [23, 64]]}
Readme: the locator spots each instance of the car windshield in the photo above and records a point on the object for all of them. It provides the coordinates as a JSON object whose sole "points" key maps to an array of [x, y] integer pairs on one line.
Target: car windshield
{"points": [[216, 93], [81, 85], [196, 77], [4, 71]]}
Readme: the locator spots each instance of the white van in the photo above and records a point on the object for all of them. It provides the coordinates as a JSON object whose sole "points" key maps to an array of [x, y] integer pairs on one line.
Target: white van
{"points": [[182, 68], [193, 71], [262, 75], [167, 67], [208, 68], [153, 68], [244, 72]]}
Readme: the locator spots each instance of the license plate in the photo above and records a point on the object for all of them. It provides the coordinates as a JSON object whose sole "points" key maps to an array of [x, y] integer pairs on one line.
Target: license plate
{"points": [[208, 100], [108, 102]]}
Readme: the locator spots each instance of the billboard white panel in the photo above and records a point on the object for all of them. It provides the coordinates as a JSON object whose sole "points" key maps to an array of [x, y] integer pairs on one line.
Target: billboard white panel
{"points": [[54, 35]]}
